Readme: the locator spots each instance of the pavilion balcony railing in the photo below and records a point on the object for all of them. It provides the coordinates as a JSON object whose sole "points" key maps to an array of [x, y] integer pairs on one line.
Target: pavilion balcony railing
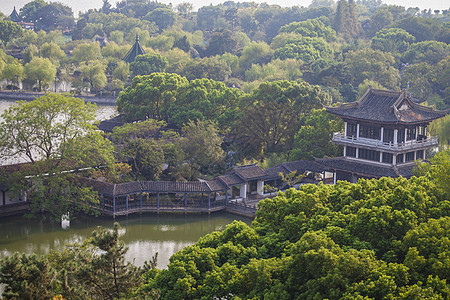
{"points": [[341, 138]]}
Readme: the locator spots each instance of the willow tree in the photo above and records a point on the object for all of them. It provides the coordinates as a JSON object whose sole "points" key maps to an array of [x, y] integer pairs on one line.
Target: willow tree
{"points": [[56, 136]]}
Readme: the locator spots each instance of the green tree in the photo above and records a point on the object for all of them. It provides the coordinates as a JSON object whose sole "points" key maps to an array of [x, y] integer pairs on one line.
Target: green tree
{"points": [[211, 68], [147, 64], [346, 19], [419, 79], [29, 11], [221, 42], [41, 70], [373, 65], [86, 52], [122, 71], [430, 52], [310, 28], [8, 30], [381, 19], [394, 40], [29, 53], [162, 17], [206, 99], [288, 69], [51, 51], [313, 140], [202, 145], [55, 133], [255, 53], [306, 49], [27, 277], [139, 144], [54, 15], [150, 96], [94, 73], [270, 122], [13, 71]]}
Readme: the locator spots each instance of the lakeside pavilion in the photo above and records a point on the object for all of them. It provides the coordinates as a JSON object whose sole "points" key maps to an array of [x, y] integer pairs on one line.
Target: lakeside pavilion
{"points": [[385, 132]]}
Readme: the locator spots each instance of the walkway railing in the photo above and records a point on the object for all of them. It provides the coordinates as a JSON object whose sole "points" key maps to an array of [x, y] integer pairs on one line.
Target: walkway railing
{"points": [[409, 145]]}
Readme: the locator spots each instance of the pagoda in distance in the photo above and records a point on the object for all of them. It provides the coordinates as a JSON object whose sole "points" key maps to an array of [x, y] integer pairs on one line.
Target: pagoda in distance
{"points": [[134, 51]]}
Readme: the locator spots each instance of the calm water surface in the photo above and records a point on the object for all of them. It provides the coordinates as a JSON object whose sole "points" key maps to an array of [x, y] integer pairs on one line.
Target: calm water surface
{"points": [[143, 234]]}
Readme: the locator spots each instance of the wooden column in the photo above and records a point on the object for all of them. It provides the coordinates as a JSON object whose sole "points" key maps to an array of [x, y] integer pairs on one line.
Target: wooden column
{"points": [[395, 136], [140, 201], [126, 203], [185, 201], [209, 201], [157, 201], [114, 205], [381, 134], [357, 131], [345, 129]]}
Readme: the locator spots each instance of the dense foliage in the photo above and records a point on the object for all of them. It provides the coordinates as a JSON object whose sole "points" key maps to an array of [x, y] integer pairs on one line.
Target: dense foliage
{"points": [[376, 239]]}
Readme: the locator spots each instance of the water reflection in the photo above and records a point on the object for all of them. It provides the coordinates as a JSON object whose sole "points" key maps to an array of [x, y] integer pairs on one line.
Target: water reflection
{"points": [[143, 234]]}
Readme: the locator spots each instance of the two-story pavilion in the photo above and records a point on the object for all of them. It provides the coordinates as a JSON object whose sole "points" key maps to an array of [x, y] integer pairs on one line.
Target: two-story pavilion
{"points": [[385, 132]]}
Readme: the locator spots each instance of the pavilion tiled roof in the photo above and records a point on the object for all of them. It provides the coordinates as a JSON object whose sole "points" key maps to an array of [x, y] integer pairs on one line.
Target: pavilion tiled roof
{"points": [[305, 165], [134, 51], [110, 124], [14, 16], [384, 106], [274, 173], [249, 172], [231, 179], [364, 169]]}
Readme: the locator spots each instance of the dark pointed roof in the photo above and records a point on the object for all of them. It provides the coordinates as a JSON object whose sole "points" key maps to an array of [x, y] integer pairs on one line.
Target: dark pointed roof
{"points": [[385, 106], [15, 16], [134, 51]]}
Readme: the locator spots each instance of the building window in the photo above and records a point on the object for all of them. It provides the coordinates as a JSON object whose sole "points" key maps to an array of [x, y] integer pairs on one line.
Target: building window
{"points": [[401, 136], [422, 135], [351, 129], [369, 132], [388, 135], [350, 151], [411, 133], [419, 154], [369, 154], [387, 157], [409, 156], [399, 159]]}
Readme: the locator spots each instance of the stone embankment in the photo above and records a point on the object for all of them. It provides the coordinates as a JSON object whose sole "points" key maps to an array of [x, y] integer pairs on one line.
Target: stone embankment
{"points": [[16, 96]]}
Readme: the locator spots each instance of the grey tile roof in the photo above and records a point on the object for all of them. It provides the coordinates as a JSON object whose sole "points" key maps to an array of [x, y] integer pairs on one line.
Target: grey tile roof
{"points": [[216, 185], [305, 165], [406, 170], [384, 106], [231, 179], [110, 124], [364, 169], [249, 172], [274, 173]]}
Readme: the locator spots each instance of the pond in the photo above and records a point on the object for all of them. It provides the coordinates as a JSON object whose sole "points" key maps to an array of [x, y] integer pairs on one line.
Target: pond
{"points": [[144, 235]]}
